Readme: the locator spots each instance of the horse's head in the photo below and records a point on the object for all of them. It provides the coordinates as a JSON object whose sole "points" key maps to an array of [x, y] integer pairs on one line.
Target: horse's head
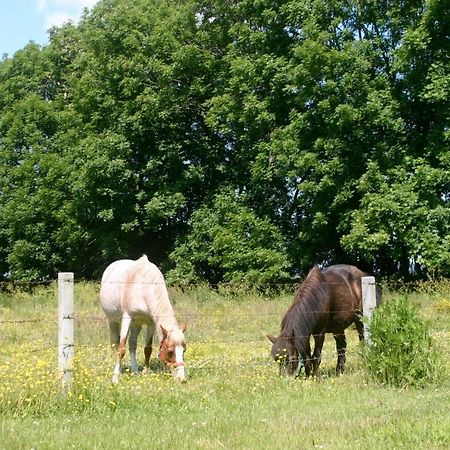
{"points": [[171, 351], [284, 353]]}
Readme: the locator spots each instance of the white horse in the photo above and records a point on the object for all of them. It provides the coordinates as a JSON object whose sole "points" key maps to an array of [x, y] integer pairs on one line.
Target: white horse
{"points": [[132, 294]]}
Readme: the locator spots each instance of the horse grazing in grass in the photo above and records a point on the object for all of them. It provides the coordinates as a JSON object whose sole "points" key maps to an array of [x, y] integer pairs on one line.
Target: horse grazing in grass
{"points": [[132, 294], [328, 301]]}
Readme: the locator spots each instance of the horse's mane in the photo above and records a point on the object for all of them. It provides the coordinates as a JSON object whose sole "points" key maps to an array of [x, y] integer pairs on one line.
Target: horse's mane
{"points": [[309, 287], [308, 302]]}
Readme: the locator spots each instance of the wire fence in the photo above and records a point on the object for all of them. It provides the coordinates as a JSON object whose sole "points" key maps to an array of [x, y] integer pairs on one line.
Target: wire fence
{"points": [[191, 318], [394, 284], [17, 321], [182, 317], [29, 286]]}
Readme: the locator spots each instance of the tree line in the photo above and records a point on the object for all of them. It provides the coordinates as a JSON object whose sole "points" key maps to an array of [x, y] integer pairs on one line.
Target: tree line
{"points": [[238, 140]]}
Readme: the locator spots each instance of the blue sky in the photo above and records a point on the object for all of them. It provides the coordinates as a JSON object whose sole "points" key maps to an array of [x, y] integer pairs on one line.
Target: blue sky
{"points": [[22, 21]]}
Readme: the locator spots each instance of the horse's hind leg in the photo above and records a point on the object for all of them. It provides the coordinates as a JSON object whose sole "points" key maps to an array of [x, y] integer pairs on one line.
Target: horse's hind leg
{"points": [[360, 329], [148, 346], [316, 357], [341, 346], [134, 334], [125, 326], [114, 334]]}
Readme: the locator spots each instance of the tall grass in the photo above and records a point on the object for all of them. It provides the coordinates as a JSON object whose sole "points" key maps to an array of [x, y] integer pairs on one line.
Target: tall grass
{"points": [[234, 397]]}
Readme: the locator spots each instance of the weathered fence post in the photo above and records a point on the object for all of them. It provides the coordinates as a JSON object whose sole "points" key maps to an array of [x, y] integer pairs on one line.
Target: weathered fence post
{"points": [[65, 329], [369, 300]]}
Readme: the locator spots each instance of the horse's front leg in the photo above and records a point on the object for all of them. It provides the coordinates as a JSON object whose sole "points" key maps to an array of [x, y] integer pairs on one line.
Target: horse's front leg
{"points": [[341, 346], [306, 356], [114, 334], [148, 346], [317, 355], [125, 326], [134, 334]]}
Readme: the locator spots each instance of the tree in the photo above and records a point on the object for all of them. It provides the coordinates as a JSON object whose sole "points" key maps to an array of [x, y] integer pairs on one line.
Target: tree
{"points": [[227, 242], [404, 219], [31, 184], [129, 131], [143, 78], [323, 124]]}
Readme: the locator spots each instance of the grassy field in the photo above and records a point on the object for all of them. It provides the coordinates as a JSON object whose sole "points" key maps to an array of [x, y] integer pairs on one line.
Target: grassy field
{"points": [[234, 397]]}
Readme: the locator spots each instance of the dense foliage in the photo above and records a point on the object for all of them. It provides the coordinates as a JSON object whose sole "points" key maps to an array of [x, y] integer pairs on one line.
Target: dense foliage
{"points": [[323, 124]]}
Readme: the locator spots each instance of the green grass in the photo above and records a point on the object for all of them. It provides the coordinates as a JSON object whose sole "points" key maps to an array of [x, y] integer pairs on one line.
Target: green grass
{"points": [[234, 397]]}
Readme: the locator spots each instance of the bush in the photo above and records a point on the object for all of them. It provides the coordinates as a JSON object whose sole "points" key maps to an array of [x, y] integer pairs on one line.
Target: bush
{"points": [[402, 351]]}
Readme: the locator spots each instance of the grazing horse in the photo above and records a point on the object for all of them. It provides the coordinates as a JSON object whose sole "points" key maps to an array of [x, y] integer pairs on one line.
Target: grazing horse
{"points": [[328, 301], [132, 294]]}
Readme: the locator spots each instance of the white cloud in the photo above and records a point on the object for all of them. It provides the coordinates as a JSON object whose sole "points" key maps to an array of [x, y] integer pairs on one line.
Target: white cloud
{"points": [[65, 4], [41, 5], [58, 12], [57, 19]]}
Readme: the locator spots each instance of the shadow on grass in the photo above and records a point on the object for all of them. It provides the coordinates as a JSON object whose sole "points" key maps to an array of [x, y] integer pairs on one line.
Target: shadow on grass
{"points": [[155, 366]]}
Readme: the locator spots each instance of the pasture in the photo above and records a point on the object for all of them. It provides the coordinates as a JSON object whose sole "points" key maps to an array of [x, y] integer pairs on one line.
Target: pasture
{"points": [[234, 397]]}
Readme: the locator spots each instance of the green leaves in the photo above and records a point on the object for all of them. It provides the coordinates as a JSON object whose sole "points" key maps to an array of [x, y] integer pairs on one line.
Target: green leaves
{"points": [[401, 216], [127, 132], [228, 242], [402, 351]]}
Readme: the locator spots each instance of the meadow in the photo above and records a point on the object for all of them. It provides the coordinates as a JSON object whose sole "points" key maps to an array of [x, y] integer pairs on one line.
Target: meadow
{"points": [[234, 397]]}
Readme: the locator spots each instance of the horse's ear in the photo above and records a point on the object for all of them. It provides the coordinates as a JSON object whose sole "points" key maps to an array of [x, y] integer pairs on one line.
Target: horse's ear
{"points": [[183, 326], [164, 332], [271, 338]]}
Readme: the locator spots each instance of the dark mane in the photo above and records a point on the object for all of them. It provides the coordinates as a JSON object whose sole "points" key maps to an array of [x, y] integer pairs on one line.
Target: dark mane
{"points": [[308, 301]]}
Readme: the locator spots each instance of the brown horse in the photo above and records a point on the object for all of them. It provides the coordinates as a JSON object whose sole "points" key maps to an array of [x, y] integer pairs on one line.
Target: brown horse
{"points": [[328, 301]]}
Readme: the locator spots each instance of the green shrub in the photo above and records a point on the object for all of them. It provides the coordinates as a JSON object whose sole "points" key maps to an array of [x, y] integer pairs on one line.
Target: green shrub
{"points": [[402, 351]]}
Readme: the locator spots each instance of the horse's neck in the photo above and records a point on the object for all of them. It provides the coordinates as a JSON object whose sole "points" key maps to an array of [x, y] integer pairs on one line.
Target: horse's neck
{"points": [[162, 311], [156, 297], [304, 315]]}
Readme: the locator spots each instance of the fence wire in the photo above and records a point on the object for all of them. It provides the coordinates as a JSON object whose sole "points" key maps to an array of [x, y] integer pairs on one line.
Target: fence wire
{"points": [[186, 316], [222, 340]]}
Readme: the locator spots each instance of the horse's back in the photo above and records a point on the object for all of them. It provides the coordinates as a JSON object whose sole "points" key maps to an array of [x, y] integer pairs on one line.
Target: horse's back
{"points": [[344, 294], [345, 272], [353, 276], [133, 287], [146, 291], [344, 277], [112, 285]]}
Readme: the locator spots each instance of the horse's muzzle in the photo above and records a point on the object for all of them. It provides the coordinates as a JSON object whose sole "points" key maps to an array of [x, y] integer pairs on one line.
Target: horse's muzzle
{"points": [[179, 373]]}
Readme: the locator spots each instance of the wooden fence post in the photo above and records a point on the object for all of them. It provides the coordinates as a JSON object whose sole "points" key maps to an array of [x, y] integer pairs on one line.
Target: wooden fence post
{"points": [[369, 300], [65, 329]]}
